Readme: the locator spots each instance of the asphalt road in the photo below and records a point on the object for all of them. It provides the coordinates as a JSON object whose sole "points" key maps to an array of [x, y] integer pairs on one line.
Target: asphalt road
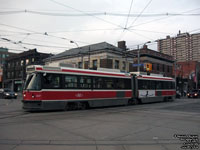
{"points": [[155, 126]]}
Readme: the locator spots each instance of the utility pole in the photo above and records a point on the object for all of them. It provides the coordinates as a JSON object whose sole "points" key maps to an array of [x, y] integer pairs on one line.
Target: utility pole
{"points": [[138, 59], [89, 58], [79, 52], [138, 67]]}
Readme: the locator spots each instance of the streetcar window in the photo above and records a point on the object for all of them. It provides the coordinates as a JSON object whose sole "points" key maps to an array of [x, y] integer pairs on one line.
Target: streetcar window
{"points": [[109, 83], [173, 85], [70, 81], [85, 82], [142, 85], [28, 79], [122, 83], [146, 85], [98, 83], [33, 82], [51, 81], [159, 85]]}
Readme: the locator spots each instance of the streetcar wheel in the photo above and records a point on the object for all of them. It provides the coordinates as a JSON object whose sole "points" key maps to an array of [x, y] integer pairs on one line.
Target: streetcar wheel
{"points": [[84, 105], [131, 102], [67, 107], [137, 101]]}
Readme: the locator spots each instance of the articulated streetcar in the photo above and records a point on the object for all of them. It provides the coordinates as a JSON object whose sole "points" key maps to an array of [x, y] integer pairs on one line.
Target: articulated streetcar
{"points": [[52, 88]]}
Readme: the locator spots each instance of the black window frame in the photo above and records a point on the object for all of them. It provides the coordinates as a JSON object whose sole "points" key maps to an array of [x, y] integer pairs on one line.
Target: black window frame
{"points": [[48, 86]]}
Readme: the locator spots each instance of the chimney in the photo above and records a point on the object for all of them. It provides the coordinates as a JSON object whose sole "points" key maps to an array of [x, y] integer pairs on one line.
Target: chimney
{"points": [[122, 45], [145, 46]]}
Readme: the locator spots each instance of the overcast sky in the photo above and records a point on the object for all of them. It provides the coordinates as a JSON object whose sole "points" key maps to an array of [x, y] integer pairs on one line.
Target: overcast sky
{"points": [[50, 25]]}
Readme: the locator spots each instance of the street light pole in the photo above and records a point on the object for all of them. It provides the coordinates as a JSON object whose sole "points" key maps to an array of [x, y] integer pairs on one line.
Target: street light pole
{"points": [[79, 52], [75, 43], [138, 67]]}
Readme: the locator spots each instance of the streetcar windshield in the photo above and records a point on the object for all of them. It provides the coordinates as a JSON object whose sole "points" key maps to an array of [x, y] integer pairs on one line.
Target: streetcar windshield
{"points": [[33, 82]]}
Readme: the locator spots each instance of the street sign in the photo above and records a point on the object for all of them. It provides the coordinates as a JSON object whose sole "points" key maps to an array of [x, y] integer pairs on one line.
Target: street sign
{"points": [[136, 65]]}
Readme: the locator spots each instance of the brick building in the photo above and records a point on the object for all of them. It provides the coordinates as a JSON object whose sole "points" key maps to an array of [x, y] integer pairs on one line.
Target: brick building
{"points": [[14, 72], [188, 75], [3, 55], [161, 63]]}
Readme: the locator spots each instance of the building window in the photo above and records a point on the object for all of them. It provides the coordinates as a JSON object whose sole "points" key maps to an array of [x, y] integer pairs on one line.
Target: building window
{"points": [[158, 67], [8, 65], [8, 75], [80, 65], [167, 68], [33, 59], [86, 65], [94, 62], [17, 63], [27, 61], [22, 62], [12, 74], [152, 66], [116, 64], [163, 68], [20, 74], [123, 65]]}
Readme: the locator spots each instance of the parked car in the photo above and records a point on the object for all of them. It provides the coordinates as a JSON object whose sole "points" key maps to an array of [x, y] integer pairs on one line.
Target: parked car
{"points": [[7, 93], [193, 94]]}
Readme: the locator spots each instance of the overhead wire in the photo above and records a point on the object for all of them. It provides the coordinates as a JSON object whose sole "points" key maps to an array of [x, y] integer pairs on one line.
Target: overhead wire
{"points": [[21, 42], [95, 14], [141, 12], [64, 5], [127, 29], [128, 14], [44, 34], [154, 20]]}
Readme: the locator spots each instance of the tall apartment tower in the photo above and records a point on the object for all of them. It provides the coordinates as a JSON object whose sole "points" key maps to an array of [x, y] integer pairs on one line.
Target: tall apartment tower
{"points": [[183, 47]]}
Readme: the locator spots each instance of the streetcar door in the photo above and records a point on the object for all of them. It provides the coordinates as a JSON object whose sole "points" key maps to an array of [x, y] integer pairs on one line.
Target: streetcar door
{"points": [[134, 86]]}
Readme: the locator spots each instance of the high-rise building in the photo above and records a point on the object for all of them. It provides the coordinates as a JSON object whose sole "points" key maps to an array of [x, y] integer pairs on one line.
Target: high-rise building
{"points": [[183, 47]]}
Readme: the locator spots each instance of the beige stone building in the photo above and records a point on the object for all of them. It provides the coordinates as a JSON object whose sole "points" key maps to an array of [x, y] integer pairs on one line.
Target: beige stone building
{"points": [[100, 55]]}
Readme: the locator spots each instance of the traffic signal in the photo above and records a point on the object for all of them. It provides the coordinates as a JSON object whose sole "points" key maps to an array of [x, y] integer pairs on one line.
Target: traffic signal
{"points": [[148, 66]]}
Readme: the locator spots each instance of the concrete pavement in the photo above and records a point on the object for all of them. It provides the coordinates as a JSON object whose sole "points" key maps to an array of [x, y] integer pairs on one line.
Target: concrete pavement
{"points": [[149, 126]]}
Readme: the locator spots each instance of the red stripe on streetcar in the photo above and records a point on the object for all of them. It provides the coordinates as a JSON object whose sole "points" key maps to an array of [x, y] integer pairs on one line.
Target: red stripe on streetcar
{"points": [[84, 72], [38, 68], [96, 73]]}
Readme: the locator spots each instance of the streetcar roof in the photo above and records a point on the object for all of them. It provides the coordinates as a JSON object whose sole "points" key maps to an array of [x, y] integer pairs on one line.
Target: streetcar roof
{"points": [[67, 70], [147, 77], [39, 68]]}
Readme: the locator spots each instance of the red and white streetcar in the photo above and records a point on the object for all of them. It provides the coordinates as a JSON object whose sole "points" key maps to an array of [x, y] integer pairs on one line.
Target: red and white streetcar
{"points": [[51, 88]]}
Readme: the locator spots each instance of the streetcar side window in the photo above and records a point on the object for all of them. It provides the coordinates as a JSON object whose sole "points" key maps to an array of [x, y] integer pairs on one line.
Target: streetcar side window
{"points": [[109, 83], [98, 83], [165, 85], [122, 83], [51, 81], [70, 81], [85, 82], [159, 85], [146, 85]]}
